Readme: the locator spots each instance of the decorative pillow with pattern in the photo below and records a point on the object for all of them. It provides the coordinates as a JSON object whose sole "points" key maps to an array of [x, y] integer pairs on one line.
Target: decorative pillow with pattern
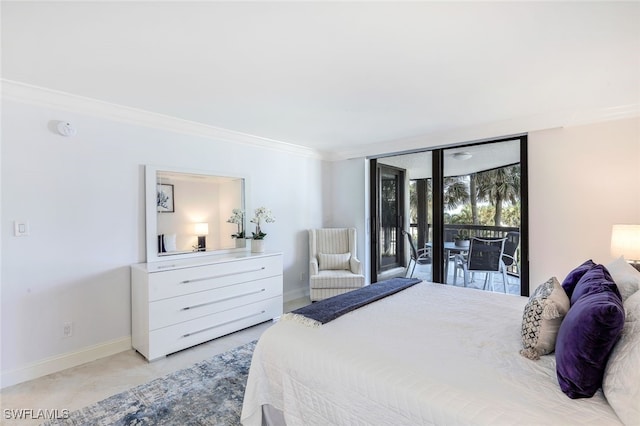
{"points": [[542, 317], [338, 261]]}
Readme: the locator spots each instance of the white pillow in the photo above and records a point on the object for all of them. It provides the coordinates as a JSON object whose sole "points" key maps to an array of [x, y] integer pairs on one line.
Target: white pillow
{"points": [[621, 381], [626, 277], [170, 242], [333, 261], [632, 307]]}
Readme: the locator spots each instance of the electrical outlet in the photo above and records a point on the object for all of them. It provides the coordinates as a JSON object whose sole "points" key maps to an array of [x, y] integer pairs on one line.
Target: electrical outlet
{"points": [[67, 329], [302, 277]]}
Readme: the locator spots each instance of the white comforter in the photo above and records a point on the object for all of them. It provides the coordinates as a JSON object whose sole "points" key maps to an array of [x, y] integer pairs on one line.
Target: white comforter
{"points": [[432, 354]]}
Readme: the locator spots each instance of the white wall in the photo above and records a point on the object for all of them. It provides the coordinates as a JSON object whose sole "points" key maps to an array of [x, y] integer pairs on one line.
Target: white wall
{"points": [[347, 195], [582, 180], [84, 199]]}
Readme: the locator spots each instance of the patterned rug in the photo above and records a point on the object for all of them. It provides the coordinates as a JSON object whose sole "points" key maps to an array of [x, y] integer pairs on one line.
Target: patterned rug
{"points": [[208, 393]]}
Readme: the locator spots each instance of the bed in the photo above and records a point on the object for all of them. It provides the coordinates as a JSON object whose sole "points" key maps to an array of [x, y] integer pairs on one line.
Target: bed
{"points": [[429, 354]]}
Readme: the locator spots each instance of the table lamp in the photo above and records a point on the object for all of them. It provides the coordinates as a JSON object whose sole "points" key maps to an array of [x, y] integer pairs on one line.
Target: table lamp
{"points": [[202, 230], [625, 241]]}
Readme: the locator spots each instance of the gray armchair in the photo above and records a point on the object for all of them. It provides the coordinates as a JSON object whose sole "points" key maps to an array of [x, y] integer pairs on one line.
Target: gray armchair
{"points": [[333, 266]]}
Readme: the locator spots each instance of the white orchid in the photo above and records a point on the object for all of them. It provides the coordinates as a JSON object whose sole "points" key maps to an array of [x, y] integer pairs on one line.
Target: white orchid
{"points": [[237, 217], [262, 214]]}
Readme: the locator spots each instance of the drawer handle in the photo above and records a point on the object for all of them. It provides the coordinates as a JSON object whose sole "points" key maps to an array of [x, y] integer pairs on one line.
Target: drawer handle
{"points": [[223, 300], [166, 266], [223, 323], [222, 275]]}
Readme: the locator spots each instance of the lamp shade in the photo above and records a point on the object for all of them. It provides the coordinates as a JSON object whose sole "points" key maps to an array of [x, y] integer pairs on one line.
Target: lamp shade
{"points": [[202, 229], [625, 241]]}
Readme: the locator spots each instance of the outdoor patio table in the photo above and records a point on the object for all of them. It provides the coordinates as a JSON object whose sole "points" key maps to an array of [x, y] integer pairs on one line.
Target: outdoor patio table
{"points": [[450, 248]]}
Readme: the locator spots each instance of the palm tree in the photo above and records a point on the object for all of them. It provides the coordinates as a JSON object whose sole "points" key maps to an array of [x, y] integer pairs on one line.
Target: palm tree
{"points": [[499, 185], [456, 192], [473, 198]]}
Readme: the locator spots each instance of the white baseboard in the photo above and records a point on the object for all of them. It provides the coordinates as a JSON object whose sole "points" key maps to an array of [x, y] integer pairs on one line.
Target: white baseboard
{"points": [[64, 361], [295, 294]]}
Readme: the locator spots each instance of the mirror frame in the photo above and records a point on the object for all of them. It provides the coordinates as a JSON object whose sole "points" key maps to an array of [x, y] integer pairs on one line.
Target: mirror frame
{"points": [[151, 213]]}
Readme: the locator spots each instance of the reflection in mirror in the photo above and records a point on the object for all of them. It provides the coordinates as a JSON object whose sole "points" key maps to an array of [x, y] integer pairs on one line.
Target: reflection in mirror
{"points": [[193, 213]]}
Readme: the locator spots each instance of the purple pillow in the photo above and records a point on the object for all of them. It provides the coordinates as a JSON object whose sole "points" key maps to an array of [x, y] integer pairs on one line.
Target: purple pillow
{"points": [[574, 276], [595, 280], [586, 337]]}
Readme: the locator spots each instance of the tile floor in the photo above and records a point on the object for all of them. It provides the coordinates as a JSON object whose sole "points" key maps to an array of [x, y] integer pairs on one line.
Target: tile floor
{"points": [[89, 383]]}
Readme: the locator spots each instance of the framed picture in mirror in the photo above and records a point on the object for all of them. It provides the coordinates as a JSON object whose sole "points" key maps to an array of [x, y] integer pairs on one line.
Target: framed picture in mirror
{"points": [[164, 198]]}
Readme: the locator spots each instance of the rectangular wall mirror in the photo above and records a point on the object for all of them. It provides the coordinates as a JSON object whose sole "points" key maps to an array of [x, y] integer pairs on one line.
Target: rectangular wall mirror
{"points": [[193, 213]]}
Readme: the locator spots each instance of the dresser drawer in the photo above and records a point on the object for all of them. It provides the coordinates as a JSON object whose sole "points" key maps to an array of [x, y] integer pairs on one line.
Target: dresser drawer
{"points": [[186, 334], [165, 312], [183, 281]]}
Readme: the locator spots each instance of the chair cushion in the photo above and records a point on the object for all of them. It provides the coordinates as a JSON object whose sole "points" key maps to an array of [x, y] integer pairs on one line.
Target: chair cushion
{"points": [[542, 317], [332, 262], [586, 337], [574, 276], [336, 279]]}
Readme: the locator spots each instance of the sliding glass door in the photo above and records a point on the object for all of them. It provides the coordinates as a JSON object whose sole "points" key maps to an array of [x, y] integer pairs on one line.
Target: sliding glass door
{"points": [[401, 202], [482, 199], [475, 190]]}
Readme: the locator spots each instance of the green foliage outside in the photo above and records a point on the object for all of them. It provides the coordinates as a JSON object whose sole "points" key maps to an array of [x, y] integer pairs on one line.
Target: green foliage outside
{"points": [[490, 198]]}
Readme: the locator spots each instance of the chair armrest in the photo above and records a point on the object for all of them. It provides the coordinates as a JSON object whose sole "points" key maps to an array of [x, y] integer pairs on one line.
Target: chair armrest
{"points": [[355, 265], [423, 253], [313, 267]]}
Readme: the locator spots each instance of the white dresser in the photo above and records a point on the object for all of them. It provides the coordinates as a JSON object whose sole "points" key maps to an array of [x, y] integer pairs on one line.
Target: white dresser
{"points": [[181, 303]]}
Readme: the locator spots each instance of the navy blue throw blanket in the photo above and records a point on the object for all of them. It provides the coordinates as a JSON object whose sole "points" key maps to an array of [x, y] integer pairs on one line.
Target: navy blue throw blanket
{"points": [[326, 310]]}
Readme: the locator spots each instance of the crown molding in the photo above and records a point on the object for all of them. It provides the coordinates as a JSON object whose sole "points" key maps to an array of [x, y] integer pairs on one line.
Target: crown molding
{"points": [[54, 99], [49, 98]]}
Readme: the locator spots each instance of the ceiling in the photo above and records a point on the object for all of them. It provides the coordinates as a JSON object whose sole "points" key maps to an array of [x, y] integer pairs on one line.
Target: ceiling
{"points": [[480, 157], [343, 78]]}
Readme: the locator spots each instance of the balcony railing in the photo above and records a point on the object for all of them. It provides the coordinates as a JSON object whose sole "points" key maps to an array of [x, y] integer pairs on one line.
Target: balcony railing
{"points": [[480, 231]]}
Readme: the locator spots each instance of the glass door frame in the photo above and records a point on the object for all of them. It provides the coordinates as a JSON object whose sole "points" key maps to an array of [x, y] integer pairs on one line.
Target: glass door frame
{"points": [[376, 218], [438, 210]]}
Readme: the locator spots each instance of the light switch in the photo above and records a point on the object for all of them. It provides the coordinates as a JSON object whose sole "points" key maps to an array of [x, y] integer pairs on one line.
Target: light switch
{"points": [[20, 228]]}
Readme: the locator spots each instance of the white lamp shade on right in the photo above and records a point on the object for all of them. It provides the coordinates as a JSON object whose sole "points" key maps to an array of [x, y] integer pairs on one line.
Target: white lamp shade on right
{"points": [[625, 241], [202, 229]]}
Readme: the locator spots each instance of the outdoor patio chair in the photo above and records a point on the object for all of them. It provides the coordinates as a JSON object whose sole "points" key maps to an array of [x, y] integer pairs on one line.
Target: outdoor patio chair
{"points": [[510, 247], [418, 257], [484, 256]]}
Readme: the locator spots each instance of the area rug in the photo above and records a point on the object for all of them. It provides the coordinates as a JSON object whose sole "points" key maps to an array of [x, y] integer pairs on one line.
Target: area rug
{"points": [[207, 393]]}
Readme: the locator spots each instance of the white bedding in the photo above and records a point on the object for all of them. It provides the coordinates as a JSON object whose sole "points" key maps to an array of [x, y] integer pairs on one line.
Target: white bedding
{"points": [[431, 354]]}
